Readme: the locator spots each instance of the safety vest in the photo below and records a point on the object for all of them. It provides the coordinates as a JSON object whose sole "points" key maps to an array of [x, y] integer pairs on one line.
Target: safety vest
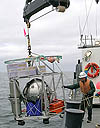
{"points": [[85, 88]]}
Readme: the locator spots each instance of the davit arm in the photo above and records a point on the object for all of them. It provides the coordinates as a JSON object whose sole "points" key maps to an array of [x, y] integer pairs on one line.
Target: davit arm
{"points": [[32, 7]]}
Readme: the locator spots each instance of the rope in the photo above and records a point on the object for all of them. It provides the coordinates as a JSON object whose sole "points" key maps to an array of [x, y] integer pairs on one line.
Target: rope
{"points": [[35, 54], [87, 100], [90, 97], [96, 23], [57, 109], [87, 16], [31, 108], [42, 15], [80, 30]]}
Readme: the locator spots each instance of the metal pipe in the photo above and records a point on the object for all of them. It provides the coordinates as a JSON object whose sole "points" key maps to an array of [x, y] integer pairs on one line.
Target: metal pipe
{"points": [[45, 96], [15, 99]]}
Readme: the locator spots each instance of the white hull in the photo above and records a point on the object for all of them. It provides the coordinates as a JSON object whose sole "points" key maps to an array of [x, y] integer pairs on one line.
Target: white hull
{"points": [[91, 54]]}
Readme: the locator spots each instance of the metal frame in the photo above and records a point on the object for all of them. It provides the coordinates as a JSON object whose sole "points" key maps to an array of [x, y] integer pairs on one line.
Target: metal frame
{"points": [[46, 114]]}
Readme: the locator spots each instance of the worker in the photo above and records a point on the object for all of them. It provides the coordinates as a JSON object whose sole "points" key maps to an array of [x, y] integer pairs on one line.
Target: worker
{"points": [[87, 88]]}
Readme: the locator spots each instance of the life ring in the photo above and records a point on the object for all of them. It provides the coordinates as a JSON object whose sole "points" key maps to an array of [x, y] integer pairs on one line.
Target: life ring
{"points": [[92, 66]]}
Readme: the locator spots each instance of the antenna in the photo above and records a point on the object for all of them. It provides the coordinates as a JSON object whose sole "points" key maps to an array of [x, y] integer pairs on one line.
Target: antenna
{"points": [[80, 30], [96, 22]]}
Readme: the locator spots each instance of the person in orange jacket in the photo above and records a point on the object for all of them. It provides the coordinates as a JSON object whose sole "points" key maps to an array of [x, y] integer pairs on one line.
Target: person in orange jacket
{"points": [[87, 88]]}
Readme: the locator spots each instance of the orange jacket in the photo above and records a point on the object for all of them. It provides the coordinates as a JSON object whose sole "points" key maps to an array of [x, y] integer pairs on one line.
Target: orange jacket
{"points": [[85, 88]]}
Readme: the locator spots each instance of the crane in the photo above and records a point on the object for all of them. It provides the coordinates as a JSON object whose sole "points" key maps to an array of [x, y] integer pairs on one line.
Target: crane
{"points": [[34, 6], [97, 1]]}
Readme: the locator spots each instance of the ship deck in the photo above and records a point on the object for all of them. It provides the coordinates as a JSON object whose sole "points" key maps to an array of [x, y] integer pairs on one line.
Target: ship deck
{"points": [[95, 120]]}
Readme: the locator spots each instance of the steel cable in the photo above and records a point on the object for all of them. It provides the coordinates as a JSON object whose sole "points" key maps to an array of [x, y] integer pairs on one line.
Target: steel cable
{"points": [[87, 16], [42, 15]]}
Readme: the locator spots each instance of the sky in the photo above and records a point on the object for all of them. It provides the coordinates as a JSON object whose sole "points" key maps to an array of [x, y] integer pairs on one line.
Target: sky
{"points": [[54, 34]]}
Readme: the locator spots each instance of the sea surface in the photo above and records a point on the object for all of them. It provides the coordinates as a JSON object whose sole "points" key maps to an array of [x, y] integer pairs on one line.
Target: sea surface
{"points": [[6, 116]]}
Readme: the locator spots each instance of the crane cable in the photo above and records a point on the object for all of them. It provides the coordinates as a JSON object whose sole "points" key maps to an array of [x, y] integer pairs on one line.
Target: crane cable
{"points": [[43, 15], [87, 16]]}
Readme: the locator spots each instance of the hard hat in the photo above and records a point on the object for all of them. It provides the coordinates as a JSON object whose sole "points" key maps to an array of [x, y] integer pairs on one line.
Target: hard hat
{"points": [[82, 75]]}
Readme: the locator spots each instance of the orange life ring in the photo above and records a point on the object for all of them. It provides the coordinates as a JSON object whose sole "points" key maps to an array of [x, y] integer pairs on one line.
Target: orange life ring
{"points": [[92, 66]]}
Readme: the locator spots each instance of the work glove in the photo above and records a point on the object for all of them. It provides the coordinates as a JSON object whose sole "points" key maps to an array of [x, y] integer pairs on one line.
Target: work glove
{"points": [[89, 93], [85, 95], [64, 86]]}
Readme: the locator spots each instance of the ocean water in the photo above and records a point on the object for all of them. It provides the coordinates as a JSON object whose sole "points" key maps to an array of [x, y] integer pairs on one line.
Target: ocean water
{"points": [[6, 116]]}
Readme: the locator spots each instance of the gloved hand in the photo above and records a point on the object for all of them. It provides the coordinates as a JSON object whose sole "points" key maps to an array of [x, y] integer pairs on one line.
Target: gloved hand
{"points": [[64, 86], [68, 86], [86, 95], [89, 93]]}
